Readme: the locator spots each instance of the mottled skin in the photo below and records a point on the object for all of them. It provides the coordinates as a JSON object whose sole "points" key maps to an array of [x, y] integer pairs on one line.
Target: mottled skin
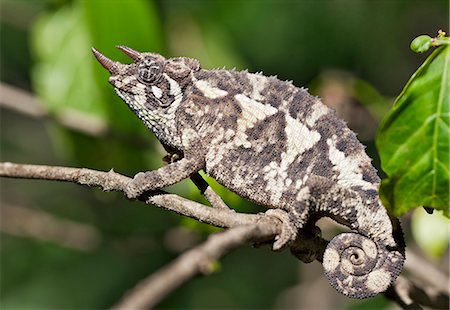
{"points": [[271, 143]]}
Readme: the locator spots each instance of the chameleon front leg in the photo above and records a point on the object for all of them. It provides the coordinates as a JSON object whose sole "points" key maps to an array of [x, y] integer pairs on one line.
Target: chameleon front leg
{"points": [[213, 198], [205, 189], [164, 176]]}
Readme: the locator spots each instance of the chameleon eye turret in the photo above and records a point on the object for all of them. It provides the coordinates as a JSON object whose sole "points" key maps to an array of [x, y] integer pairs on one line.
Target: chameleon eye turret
{"points": [[149, 71], [272, 143]]}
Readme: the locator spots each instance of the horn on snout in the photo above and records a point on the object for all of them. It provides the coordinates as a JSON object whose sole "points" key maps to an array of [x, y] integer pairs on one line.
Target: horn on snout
{"points": [[108, 64], [135, 55]]}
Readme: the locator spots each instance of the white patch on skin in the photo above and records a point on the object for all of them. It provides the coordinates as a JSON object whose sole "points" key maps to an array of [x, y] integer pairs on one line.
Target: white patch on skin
{"points": [[157, 91], [318, 110], [141, 100], [217, 150], [189, 136], [287, 182], [331, 260], [258, 83], [275, 176], [369, 248], [128, 80], [252, 112], [299, 139], [350, 173], [378, 280], [298, 184], [175, 90], [210, 91], [139, 89], [229, 134], [303, 194]]}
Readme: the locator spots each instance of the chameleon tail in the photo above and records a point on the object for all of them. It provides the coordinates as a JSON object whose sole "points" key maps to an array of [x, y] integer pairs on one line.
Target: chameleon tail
{"points": [[358, 267], [361, 267]]}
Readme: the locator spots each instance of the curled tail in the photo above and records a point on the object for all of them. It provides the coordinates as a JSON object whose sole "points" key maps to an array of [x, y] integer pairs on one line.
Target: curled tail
{"points": [[361, 265], [358, 267]]}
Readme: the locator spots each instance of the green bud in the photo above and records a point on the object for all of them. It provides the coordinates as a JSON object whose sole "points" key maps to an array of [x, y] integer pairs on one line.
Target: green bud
{"points": [[421, 44]]}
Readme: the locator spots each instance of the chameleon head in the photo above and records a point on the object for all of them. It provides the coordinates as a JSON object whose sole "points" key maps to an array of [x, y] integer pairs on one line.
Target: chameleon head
{"points": [[152, 86]]}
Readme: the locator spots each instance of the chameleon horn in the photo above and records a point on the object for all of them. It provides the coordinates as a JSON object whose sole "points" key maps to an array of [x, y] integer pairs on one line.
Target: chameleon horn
{"points": [[135, 55], [356, 267], [107, 63]]}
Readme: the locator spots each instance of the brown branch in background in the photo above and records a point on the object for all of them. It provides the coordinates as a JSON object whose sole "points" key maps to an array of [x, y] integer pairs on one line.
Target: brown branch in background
{"points": [[199, 260], [244, 229], [23, 102], [411, 296], [426, 272], [41, 225]]}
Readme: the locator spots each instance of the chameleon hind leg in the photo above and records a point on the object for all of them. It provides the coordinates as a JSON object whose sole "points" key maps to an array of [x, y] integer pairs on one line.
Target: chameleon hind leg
{"points": [[292, 222]]}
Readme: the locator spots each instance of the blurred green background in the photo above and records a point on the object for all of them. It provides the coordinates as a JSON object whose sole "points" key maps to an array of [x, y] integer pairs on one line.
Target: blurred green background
{"points": [[65, 246]]}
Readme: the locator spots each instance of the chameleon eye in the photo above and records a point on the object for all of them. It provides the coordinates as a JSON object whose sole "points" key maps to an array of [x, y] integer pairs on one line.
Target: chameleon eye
{"points": [[149, 71]]}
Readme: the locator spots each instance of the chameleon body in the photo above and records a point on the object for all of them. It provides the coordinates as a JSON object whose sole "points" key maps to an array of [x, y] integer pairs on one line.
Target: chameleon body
{"points": [[271, 143]]}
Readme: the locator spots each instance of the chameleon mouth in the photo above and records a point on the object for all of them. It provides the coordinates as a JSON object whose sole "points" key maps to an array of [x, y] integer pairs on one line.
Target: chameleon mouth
{"points": [[115, 67]]}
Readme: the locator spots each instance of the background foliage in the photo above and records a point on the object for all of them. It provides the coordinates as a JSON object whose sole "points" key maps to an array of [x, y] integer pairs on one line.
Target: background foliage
{"points": [[354, 54]]}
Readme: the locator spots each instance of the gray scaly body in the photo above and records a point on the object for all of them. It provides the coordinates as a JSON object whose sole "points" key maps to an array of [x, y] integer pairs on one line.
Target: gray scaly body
{"points": [[271, 143]]}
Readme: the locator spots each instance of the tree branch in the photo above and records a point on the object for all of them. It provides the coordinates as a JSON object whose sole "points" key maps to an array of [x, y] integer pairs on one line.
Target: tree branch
{"points": [[199, 260], [112, 181], [244, 229]]}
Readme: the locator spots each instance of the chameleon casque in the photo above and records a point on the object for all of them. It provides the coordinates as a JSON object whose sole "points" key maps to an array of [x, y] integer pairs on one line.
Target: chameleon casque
{"points": [[272, 143]]}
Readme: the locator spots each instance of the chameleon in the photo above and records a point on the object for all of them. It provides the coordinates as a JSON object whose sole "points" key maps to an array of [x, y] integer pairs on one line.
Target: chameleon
{"points": [[271, 143]]}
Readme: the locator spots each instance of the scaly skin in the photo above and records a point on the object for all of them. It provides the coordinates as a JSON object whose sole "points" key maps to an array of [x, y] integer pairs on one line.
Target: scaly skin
{"points": [[272, 143]]}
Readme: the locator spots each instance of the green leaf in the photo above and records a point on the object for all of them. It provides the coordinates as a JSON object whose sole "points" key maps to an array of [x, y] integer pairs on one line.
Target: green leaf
{"points": [[63, 75], [413, 140]]}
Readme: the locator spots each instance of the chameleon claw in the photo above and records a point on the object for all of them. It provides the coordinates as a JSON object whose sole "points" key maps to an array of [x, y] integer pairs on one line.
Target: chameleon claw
{"points": [[288, 231]]}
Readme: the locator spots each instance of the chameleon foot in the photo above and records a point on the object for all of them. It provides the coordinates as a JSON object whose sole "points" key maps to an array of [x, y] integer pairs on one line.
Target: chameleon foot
{"points": [[288, 230], [135, 187]]}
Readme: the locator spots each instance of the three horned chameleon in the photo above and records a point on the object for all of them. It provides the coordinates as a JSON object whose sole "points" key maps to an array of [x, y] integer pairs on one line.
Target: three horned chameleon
{"points": [[272, 143]]}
